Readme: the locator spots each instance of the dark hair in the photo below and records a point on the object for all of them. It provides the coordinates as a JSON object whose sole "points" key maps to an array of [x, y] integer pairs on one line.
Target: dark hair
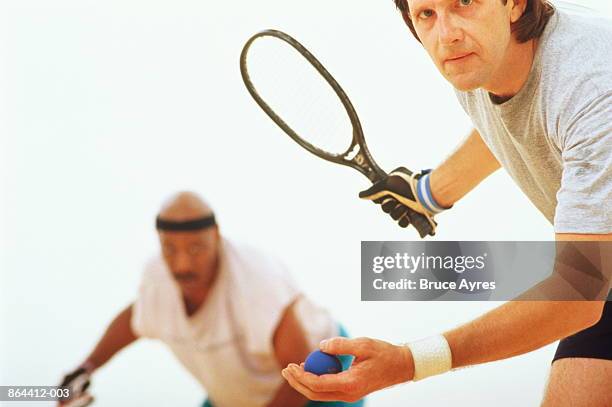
{"points": [[530, 25]]}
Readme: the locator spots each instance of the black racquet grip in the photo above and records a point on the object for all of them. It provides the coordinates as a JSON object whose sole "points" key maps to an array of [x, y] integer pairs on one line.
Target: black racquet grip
{"points": [[421, 224]]}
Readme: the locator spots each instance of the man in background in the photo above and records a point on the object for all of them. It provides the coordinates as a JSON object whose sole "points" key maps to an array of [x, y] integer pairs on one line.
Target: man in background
{"points": [[230, 314]]}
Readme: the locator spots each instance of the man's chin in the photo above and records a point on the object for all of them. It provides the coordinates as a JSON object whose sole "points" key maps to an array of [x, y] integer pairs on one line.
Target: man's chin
{"points": [[190, 285], [466, 86], [464, 82]]}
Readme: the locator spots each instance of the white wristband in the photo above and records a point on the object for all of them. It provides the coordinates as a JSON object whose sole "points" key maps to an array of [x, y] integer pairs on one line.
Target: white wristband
{"points": [[432, 356]]}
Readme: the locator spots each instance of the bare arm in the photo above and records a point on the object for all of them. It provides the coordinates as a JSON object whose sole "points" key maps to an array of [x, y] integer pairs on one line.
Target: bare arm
{"points": [[465, 168], [118, 335], [290, 346], [509, 329]]}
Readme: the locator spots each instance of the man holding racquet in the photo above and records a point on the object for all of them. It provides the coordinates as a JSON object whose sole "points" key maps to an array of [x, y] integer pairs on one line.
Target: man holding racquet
{"points": [[537, 84], [231, 315]]}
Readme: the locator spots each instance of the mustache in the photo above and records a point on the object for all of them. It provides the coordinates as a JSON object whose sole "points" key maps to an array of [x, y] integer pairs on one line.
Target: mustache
{"points": [[185, 277]]}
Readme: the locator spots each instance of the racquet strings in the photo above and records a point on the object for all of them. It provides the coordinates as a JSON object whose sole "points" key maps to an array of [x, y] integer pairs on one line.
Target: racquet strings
{"points": [[299, 95]]}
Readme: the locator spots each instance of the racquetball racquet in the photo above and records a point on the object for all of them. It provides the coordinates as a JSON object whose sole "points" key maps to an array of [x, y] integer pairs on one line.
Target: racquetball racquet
{"points": [[305, 101]]}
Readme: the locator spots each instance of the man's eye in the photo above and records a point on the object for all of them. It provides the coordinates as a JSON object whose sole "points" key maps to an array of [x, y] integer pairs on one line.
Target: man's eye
{"points": [[426, 14], [466, 3]]}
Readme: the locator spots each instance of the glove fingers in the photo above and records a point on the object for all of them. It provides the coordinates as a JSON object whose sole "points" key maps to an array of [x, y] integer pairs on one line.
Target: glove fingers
{"points": [[389, 204], [405, 221], [423, 226], [399, 211], [395, 182], [371, 192], [71, 376], [382, 199]]}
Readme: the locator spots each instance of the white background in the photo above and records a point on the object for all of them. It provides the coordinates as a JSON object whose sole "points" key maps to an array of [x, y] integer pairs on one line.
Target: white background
{"points": [[108, 107]]}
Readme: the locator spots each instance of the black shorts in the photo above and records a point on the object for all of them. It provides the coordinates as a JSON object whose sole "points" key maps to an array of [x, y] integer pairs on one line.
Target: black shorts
{"points": [[594, 342]]}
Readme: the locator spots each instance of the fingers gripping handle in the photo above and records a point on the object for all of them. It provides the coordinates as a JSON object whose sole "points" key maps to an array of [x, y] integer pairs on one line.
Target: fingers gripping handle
{"points": [[421, 224], [389, 194]]}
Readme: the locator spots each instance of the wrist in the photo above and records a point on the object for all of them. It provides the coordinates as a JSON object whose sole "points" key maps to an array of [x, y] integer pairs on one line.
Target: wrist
{"points": [[440, 191], [406, 370], [425, 194], [430, 356], [89, 366]]}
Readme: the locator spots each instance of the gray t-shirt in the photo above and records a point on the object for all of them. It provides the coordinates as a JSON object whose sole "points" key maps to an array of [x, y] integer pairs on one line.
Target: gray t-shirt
{"points": [[555, 136]]}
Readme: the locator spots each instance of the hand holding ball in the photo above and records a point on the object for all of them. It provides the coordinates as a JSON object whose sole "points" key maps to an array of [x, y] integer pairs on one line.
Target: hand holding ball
{"points": [[321, 363]]}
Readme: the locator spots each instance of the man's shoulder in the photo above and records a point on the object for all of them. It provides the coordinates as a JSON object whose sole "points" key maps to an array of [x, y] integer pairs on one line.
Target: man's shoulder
{"points": [[154, 270], [245, 251], [155, 264], [251, 261], [588, 29], [576, 57]]}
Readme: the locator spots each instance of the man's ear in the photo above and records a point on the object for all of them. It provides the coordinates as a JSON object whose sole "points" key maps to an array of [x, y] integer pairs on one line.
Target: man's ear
{"points": [[517, 8]]}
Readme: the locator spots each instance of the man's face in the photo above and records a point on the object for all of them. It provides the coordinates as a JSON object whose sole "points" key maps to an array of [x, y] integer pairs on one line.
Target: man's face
{"points": [[191, 257], [467, 39]]}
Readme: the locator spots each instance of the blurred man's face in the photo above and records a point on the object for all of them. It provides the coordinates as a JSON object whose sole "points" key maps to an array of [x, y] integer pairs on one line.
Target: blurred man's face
{"points": [[192, 257], [466, 39]]}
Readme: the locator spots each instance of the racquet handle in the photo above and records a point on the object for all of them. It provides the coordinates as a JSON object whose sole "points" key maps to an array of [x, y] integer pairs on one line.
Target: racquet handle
{"points": [[421, 224], [403, 194]]}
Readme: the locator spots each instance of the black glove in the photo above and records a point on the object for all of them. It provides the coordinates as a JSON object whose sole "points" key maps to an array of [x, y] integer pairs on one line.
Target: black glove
{"points": [[397, 196], [77, 381]]}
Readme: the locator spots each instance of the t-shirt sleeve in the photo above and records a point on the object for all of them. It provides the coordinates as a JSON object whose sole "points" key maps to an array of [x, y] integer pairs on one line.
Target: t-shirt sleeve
{"points": [[584, 200]]}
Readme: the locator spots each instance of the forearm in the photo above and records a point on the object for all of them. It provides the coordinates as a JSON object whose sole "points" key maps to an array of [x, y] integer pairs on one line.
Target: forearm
{"points": [[519, 327], [290, 346], [465, 168], [118, 335]]}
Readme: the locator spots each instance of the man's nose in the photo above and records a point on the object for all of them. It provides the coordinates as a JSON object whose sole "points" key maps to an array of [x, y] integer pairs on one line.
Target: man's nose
{"points": [[182, 263], [449, 31]]}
